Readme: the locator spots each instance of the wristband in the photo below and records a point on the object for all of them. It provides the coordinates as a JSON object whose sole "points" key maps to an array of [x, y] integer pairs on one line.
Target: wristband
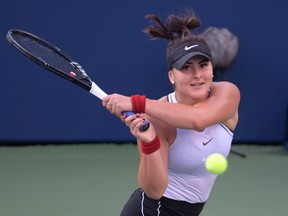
{"points": [[150, 147], [138, 103]]}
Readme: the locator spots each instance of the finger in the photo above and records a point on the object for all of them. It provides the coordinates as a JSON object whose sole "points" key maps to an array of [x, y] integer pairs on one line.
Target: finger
{"points": [[109, 106], [139, 124], [105, 100], [129, 119], [123, 117], [135, 122]]}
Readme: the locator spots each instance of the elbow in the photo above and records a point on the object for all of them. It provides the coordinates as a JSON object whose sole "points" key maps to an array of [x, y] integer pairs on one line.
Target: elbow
{"points": [[198, 125], [154, 194]]}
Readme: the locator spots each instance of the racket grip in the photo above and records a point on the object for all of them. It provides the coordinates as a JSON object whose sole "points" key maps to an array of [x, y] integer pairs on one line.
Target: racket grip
{"points": [[144, 127]]}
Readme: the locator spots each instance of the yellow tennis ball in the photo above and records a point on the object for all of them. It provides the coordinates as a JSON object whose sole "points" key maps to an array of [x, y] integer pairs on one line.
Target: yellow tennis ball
{"points": [[216, 163]]}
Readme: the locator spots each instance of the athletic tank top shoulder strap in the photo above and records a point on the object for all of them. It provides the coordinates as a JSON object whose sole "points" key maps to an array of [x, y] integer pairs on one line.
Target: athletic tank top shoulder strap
{"points": [[171, 97]]}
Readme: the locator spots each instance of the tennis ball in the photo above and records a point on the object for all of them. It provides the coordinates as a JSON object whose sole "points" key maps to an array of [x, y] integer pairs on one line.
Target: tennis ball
{"points": [[216, 163]]}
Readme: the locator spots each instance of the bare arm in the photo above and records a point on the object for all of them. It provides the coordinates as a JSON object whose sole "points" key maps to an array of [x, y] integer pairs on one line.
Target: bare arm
{"points": [[220, 106], [152, 172]]}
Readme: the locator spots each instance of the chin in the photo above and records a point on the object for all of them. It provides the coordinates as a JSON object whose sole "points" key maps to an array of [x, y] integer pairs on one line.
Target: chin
{"points": [[200, 95]]}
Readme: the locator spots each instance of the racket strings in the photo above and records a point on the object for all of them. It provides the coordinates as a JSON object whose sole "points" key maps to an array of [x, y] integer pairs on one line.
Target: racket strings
{"points": [[45, 54]]}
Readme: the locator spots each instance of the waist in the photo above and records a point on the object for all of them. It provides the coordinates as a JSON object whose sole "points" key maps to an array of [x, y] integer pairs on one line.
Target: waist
{"points": [[189, 188], [182, 206]]}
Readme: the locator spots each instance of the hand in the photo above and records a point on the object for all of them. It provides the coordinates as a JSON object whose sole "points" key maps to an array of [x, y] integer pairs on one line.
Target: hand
{"points": [[134, 122], [117, 103]]}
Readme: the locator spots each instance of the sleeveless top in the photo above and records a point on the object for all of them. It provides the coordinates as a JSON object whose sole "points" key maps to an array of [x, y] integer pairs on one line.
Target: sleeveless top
{"points": [[188, 179]]}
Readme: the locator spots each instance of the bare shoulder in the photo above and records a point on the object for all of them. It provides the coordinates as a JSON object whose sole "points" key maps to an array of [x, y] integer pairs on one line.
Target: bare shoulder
{"points": [[164, 98], [224, 85], [227, 87]]}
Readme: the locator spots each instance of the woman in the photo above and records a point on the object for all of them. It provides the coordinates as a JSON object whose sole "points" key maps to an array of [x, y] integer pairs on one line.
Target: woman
{"points": [[187, 125]]}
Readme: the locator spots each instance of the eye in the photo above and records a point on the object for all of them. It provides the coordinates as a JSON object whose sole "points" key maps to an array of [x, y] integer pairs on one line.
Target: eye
{"points": [[186, 67], [204, 64]]}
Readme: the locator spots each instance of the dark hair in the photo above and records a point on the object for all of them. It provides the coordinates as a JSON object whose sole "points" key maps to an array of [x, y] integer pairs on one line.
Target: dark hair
{"points": [[177, 30]]}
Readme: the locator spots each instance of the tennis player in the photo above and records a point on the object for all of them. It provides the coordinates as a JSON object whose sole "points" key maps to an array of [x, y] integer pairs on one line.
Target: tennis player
{"points": [[195, 120]]}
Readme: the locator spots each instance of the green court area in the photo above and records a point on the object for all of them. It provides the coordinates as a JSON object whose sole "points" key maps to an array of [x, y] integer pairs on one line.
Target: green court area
{"points": [[96, 180]]}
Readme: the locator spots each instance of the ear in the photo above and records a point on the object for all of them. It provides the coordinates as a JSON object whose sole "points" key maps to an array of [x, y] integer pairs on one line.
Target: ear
{"points": [[171, 77]]}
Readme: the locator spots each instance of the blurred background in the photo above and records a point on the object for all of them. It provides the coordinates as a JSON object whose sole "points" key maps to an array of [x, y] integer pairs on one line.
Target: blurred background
{"points": [[106, 38]]}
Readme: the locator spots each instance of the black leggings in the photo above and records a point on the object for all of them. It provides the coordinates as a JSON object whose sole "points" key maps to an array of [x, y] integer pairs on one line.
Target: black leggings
{"points": [[140, 204]]}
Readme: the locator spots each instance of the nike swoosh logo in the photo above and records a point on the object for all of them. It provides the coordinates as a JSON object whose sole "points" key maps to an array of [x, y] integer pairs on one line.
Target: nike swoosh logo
{"points": [[205, 143], [190, 47]]}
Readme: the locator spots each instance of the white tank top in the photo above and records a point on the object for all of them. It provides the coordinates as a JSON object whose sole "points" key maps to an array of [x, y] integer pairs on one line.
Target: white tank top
{"points": [[188, 179]]}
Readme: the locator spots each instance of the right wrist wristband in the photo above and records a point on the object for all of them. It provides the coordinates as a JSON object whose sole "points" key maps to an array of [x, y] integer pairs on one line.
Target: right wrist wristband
{"points": [[138, 103]]}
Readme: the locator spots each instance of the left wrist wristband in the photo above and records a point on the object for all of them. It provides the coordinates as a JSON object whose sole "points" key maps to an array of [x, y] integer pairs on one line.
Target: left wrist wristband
{"points": [[152, 146]]}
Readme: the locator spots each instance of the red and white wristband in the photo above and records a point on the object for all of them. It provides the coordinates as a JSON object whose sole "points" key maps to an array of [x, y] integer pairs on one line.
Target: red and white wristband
{"points": [[150, 147]]}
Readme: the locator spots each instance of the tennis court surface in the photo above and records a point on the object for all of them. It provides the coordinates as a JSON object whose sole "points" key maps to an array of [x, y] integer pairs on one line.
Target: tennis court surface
{"points": [[96, 180]]}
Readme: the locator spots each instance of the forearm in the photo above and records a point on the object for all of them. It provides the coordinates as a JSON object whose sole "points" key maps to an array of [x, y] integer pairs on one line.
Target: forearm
{"points": [[152, 174], [177, 115]]}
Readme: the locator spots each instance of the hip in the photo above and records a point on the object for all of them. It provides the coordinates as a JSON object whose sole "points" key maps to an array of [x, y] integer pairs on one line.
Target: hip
{"points": [[140, 204]]}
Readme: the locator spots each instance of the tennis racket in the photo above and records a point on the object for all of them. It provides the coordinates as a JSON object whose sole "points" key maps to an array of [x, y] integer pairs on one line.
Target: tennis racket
{"points": [[53, 59]]}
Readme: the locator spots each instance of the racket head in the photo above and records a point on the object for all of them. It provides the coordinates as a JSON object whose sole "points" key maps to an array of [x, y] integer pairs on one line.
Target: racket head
{"points": [[49, 56], [53, 59]]}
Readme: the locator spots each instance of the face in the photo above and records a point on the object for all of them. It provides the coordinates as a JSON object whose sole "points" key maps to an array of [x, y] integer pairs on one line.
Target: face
{"points": [[193, 81]]}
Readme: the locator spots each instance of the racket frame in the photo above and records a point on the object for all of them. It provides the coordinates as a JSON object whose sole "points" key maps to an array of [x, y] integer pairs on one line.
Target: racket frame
{"points": [[88, 85], [45, 64]]}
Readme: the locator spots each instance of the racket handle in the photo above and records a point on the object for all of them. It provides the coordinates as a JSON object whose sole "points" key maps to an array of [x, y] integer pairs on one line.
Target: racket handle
{"points": [[146, 124]]}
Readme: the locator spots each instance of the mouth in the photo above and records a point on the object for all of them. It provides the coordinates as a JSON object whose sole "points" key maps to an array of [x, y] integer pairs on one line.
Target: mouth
{"points": [[197, 84]]}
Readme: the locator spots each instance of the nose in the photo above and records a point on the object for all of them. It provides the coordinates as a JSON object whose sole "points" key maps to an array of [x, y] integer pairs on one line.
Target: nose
{"points": [[195, 73]]}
